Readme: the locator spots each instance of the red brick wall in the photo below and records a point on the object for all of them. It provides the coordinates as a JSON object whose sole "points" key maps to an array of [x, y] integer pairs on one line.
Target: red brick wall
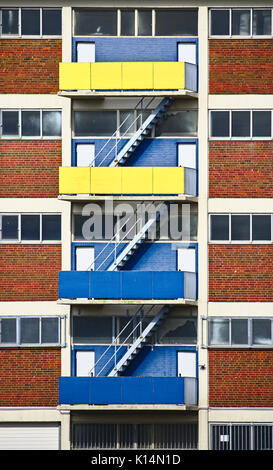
{"points": [[240, 169], [240, 273], [30, 66], [240, 378], [29, 272], [30, 168], [240, 66], [29, 376]]}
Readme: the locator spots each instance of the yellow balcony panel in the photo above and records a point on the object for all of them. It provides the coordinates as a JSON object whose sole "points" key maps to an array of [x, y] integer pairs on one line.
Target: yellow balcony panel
{"points": [[137, 75], [74, 76], [106, 180], [106, 76], [137, 180], [74, 180], [168, 180], [169, 75]]}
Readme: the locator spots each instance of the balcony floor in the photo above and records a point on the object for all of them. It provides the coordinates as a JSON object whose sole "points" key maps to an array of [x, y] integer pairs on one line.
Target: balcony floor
{"points": [[83, 301], [101, 94], [127, 407]]}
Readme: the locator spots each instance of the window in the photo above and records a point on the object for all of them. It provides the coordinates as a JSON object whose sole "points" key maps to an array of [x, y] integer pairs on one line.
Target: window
{"points": [[177, 330], [242, 22], [243, 332], [31, 123], [242, 436], [241, 124], [34, 22], [241, 227], [22, 331], [134, 22], [30, 227], [177, 123]]}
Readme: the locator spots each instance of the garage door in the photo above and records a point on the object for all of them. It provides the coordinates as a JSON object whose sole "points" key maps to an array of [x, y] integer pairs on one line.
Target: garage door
{"points": [[29, 437]]}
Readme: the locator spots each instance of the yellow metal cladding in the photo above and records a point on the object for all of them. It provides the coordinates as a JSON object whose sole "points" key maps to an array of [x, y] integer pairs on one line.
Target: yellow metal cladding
{"points": [[122, 76], [121, 180]]}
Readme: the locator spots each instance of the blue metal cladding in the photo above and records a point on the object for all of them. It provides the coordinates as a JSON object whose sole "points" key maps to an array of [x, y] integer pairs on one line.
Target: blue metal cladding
{"points": [[121, 285], [121, 390]]}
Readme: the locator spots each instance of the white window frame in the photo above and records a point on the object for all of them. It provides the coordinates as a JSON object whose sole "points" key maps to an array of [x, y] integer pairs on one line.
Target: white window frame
{"points": [[241, 242], [235, 36], [230, 137], [250, 330], [27, 242], [60, 342], [20, 136], [26, 36]]}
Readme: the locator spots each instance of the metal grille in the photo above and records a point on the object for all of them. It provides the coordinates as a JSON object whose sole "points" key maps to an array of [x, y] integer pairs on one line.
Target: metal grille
{"points": [[138, 436], [241, 437]]}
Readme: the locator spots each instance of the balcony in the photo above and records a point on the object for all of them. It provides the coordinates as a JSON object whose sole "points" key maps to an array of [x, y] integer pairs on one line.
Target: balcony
{"points": [[128, 285], [110, 78], [127, 391]]}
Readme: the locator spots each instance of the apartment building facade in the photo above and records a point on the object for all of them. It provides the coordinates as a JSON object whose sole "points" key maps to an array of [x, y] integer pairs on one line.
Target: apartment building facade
{"points": [[136, 226]]}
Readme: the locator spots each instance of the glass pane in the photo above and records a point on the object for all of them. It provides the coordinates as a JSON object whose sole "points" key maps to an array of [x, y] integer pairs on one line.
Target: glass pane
{"points": [[30, 22], [10, 123], [50, 330], [29, 328], [261, 123], [219, 227], [241, 22], [240, 123], [144, 23], [261, 331], [177, 123], [51, 227], [218, 331], [219, 123], [92, 330], [96, 22], [127, 22], [127, 119], [240, 227], [178, 331], [239, 331], [261, 22], [10, 22], [52, 22], [219, 23], [9, 227], [176, 22], [31, 123], [8, 330], [52, 123], [78, 223], [262, 439], [30, 227], [261, 227], [95, 123]]}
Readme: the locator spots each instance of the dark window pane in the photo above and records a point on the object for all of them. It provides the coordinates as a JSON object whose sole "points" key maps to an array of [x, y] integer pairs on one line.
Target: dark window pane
{"points": [[127, 22], [95, 123], [261, 22], [240, 227], [218, 332], [239, 331], [241, 22], [219, 22], [177, 331], [29, 330], [176, 22], [9, 227], [52, 22], [261, 331], [261, 227], [10, 124], [219, 124], [219, 227], [30, 22], [177, 123], [78, 223], [240, 123], [127, 123], [96, 22], [30, 123], [50, 330], [52, 123], [10, 22], [261, 123], [8, 330], [51, 227], [30, 227], [92, 330], [144, 22]]}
